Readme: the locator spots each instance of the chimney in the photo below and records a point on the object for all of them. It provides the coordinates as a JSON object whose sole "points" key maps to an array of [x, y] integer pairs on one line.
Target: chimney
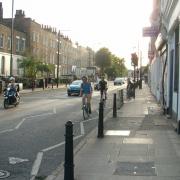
{"points": [[1, 12], [19, 14]]}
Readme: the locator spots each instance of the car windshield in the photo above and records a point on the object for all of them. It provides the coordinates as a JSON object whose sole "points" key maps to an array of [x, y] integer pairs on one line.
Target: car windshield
{"points": [[76, 82], [118, 79]]}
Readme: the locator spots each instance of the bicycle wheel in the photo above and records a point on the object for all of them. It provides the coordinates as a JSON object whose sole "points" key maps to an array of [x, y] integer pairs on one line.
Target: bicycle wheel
{"points": [[85, 112]]}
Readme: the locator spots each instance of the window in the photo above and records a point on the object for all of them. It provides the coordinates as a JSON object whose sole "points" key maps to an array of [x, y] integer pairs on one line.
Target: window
{"points": [[9, 42], [176, 69], [3, 65], [22, 44], [17, 43], [34, 36], [1, 40]]}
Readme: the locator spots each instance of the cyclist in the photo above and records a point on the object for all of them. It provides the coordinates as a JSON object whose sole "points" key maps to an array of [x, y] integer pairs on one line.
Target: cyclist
{"points": [[103, 87], [86, 92]]}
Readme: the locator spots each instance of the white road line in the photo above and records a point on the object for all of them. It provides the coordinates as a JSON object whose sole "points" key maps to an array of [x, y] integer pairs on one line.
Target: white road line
{"points": [[24, 119], [82, 128], [8, 130], [53, 147], [36, 164], [89, 119], [18, 126], [39, 115]]}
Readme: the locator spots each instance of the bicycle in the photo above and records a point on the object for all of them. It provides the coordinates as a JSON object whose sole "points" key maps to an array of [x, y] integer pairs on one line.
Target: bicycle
{"points": [[86, 109]]}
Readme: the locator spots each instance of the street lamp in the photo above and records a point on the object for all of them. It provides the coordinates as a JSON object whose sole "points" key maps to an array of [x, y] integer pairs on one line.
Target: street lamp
{"points": [[58, 46], [12, 29]]}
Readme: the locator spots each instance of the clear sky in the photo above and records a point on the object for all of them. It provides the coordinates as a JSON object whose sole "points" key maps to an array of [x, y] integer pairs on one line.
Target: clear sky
{"points": [[115, 24]]}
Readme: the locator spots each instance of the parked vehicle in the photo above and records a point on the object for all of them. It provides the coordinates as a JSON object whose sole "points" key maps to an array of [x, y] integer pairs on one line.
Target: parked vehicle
{"points": [[74, 88], [119, 81], [11, 98]]}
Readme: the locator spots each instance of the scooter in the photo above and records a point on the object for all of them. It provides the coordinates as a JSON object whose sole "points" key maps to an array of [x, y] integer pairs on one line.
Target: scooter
{"points": [[11, 98]]}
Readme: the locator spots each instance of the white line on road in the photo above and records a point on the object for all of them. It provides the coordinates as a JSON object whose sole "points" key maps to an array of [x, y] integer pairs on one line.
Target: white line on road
{"points": [[53, 147], [89, 119], [8, 130], [18, 126], [36, 165], [24, 119]]}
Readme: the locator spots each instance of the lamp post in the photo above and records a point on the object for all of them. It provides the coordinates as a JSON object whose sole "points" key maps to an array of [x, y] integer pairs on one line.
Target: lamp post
{"points": [[12, 29], [58, 46]]}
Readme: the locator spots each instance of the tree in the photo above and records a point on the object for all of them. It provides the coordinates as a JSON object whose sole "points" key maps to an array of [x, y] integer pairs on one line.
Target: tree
{"points": [[103, 59], [30, 65]]}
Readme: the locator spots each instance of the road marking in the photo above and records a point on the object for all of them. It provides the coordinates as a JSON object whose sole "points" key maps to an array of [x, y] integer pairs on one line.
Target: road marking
{"points": [[82, 128], [36, 165], [15, 160], [53, 147], [8, 130], [24, 119], [89, 119], [18, 126]]}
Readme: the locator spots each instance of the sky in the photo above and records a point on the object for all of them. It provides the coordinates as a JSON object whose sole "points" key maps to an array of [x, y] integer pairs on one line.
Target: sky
{"points": [[115, 24]]}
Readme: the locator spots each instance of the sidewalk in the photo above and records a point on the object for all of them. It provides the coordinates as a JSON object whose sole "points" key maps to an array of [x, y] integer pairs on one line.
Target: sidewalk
{"points": [[140, 144], [60, 86]]}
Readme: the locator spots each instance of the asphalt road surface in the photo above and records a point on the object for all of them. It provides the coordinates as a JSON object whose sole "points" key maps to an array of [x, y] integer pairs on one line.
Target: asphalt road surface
{"points": [[32, 134]]}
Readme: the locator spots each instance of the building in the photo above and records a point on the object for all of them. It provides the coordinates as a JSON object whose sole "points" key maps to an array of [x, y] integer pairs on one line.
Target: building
{"points": [[40, 41], [165, 64]]}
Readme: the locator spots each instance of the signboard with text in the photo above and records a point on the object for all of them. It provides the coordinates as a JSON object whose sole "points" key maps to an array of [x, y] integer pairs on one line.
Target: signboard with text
{"points": [[150, 31]]}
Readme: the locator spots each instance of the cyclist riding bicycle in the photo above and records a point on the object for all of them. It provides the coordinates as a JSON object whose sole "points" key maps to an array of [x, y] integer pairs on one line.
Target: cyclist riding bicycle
{"points": [[103, 88], [86, 92]]}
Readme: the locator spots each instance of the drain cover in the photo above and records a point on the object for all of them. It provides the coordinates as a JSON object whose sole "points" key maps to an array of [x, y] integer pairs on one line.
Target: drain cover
{"points": [[135, 169], [4, 174]]}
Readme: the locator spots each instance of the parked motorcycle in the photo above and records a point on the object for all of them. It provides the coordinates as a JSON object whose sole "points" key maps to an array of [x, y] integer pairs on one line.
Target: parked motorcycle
{"points": [[11, 98]]}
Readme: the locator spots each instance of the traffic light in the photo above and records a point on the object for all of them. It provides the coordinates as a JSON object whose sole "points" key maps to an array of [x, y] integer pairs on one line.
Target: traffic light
{"points": [[134, 59]]}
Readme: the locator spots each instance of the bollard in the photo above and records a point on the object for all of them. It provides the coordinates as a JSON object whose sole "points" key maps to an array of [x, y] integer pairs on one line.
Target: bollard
{"points": [[100, 122], [134, 91], [178, 127], [114, 106], [68, 163], [119, 99], [122, 99]]}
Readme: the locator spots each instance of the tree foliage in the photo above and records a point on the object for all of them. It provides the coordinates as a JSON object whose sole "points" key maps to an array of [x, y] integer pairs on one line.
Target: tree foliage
{"points": [[103, 59], [32, 66]]}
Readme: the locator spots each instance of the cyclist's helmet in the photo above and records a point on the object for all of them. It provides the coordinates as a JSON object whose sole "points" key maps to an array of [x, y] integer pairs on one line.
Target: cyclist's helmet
{"points": [[11, 79], [84, 77]]}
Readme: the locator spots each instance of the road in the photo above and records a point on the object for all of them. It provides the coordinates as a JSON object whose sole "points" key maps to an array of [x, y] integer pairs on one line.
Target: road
{"points": [[32, 134]]}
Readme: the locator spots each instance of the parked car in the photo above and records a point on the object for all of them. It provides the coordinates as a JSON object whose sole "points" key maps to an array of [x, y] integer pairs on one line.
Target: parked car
{"points": [[119, 81], [74, 88]]}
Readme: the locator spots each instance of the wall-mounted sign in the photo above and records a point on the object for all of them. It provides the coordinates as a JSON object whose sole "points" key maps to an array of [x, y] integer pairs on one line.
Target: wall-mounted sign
{"points": [[150, 31]]}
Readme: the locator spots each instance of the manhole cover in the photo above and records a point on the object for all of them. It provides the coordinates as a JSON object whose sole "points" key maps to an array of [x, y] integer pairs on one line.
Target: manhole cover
{"points": [[4, 174], [135, 169]]}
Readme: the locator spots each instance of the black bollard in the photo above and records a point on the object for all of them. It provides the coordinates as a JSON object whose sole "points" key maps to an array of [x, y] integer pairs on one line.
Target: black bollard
{"points": [[178, 127], [122, 94], [69, 164], [114, 106], [100, 122]]}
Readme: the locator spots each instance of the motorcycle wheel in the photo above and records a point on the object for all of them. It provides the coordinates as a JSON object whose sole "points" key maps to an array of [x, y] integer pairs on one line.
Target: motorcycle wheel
{"points": [[17, 100], [6, 103]]}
